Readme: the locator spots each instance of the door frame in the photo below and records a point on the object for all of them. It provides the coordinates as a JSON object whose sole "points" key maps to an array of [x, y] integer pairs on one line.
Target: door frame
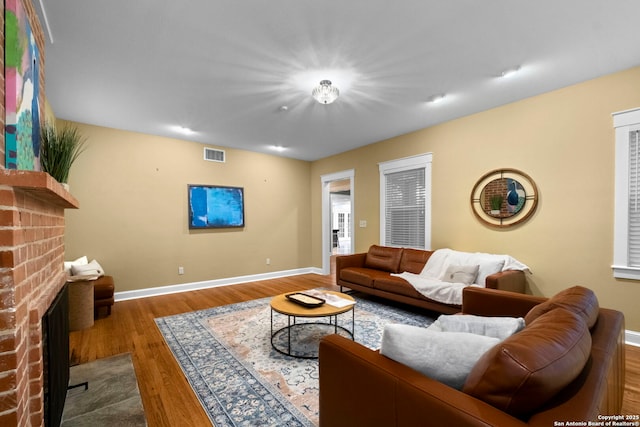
{"points": [[326, 214]]}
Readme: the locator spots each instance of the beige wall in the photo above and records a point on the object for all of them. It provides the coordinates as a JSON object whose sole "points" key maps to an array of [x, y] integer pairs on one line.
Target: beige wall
{"points": [[563, 139], [132, 190]]}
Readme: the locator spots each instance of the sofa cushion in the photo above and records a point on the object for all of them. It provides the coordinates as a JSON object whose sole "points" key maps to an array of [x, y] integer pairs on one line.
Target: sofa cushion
{"points": [[527, 369], [396, 285], [383, 258], [461, 274], [361, 276], [444, 356], [496, 327], [576, 299], [413, 260]]}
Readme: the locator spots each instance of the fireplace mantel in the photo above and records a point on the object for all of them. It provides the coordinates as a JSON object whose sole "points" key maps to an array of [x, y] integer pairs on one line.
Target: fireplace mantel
{"points": [[39, 185]]}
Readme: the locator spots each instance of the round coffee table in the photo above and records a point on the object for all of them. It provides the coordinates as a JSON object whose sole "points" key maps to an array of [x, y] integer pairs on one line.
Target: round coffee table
{"points": [[281, 304]]}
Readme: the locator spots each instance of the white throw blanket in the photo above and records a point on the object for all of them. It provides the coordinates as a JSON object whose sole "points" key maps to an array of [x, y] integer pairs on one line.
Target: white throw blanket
{"points": [[429, 282]]}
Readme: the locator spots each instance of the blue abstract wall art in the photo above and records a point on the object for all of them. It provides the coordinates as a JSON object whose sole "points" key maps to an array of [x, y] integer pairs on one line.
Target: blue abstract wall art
{"points": [[213, 206]]}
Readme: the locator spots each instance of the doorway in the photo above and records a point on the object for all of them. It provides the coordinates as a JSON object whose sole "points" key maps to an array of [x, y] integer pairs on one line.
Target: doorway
{"points": [[340, 200], [337, 216]]}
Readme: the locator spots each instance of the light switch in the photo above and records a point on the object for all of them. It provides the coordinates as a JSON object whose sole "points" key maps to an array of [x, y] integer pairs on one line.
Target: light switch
{"points": [[363, 223]]}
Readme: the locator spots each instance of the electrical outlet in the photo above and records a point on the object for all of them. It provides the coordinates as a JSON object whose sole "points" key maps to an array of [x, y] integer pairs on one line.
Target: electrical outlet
{"points": [[180, 270], [363, 223], [268, 261]]}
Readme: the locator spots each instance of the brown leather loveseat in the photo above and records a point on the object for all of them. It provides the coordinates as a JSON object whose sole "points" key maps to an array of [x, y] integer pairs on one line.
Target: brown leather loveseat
{"points": [[566, 365], [371, 272]]}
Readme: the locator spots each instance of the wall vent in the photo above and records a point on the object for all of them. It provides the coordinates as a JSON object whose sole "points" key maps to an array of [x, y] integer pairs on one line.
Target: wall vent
{"points": [[213, 155]]}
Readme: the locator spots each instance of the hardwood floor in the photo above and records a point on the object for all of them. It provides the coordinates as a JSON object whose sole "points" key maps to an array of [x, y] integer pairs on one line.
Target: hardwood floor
{"points": [[166, 395]]}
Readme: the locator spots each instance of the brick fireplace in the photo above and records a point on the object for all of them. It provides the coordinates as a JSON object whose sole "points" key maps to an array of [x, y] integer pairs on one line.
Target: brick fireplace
{"points": [[32, 208]]}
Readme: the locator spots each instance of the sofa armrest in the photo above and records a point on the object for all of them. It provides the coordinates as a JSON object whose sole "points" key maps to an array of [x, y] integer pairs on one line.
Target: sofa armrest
{"points": [[510, 280], [360, 387], [346, 261], [497, 302], [353, 260]]}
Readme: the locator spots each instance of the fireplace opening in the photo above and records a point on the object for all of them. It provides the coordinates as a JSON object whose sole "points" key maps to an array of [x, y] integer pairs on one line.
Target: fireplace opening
{"points": [[55, 350]]}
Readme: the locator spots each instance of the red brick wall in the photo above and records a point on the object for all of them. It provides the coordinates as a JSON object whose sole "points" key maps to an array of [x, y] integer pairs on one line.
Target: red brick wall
{"points": [[31, 266], [31, 275]]}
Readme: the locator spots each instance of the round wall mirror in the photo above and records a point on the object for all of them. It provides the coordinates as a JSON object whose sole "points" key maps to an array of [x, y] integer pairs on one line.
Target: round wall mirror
{"points": [[504, 197]]}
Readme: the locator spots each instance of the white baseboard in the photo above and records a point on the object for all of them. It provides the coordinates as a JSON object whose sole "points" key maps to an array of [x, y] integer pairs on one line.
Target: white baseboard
{"points": [[184, 287], [632, 337]]}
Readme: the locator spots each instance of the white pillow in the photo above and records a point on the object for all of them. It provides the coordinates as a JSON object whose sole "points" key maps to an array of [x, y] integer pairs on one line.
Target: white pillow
{"points": [[91, 268], [447, 357], [487, 268], [496, 327], [461, 274], [80, 261]]}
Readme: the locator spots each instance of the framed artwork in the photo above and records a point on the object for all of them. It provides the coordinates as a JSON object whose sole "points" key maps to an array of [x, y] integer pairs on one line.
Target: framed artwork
{"points": [[22, 90], [504, 198], [215, 206]]}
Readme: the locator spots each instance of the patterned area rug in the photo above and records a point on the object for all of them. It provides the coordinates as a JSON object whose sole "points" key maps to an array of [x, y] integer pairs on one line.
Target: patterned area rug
{"points": [[226, 354]]}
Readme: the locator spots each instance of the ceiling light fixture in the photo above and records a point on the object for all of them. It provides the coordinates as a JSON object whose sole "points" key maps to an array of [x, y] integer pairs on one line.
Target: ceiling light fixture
{"points": [[324, 93]]}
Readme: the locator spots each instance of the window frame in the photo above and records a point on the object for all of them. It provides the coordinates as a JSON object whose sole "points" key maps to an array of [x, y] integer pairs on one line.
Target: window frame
{"points": [[423, 161], [624, 122]]}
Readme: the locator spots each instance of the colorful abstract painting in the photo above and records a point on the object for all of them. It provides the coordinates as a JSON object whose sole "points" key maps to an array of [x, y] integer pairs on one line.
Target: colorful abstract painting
{"points": [[22, 121]]}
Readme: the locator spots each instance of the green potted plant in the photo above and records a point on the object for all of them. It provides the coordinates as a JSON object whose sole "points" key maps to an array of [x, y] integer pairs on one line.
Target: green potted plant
{"points": [[495, 202], [59, 148]]}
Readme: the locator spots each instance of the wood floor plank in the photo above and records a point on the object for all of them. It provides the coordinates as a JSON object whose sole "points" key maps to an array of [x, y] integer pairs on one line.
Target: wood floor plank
{"points": [[167, 397]]}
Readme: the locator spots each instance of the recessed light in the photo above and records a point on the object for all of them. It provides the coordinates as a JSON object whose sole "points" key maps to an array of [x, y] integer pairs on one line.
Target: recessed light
{"points": [[278, 148], [436, 98], [510, 72], [183, 130]]}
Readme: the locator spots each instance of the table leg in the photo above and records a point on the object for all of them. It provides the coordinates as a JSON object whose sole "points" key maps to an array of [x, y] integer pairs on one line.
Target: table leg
{"points": [[289, 332], [353, 324]]}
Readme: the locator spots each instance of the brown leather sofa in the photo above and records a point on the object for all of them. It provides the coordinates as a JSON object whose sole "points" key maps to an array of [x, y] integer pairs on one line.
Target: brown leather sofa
{"points": [[370, 272], [567, 364]]}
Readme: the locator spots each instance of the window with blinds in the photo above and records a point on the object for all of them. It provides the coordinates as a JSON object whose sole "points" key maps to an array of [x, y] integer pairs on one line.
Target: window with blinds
{"points": [[634, 200], [626, 246], [405, 210]]}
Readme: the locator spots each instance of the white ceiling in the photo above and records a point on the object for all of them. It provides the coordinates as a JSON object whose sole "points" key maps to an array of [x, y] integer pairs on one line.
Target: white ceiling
{"points": [[224, 68]]}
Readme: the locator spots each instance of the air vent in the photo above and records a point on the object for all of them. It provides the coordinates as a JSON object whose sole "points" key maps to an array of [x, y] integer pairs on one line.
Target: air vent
{"points": [[214, 155]]}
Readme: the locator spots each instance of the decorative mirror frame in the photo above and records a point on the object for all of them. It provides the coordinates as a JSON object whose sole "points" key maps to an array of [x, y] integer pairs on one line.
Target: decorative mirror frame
{"points": [[506, 216]]}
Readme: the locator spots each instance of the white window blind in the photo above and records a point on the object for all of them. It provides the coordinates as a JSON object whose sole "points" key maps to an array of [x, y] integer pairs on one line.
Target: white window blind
{"points": [[634, 200], [405, 208]]}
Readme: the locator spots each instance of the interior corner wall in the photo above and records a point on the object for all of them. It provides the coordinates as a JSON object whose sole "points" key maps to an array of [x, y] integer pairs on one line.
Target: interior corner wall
{"points": [[563, 139], [133, 215]]}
